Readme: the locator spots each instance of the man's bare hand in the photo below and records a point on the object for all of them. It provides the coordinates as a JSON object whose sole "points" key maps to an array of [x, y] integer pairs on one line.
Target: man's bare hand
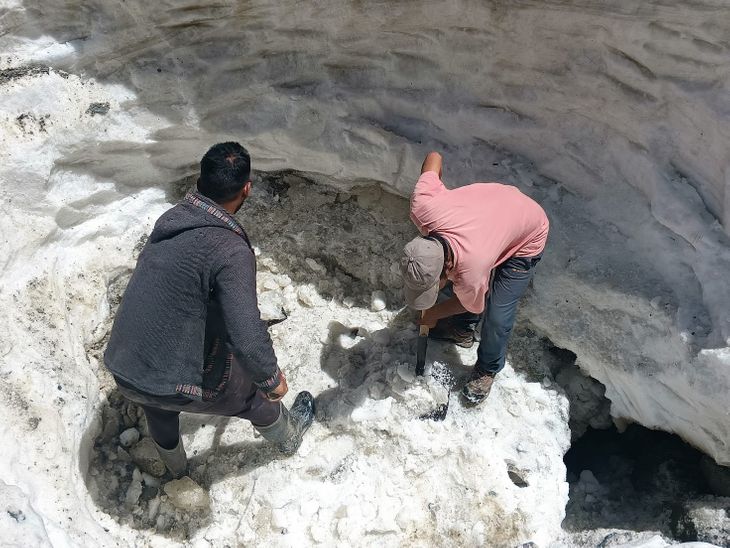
{"points": [[428, 318], [444, 309], [279, 392]]}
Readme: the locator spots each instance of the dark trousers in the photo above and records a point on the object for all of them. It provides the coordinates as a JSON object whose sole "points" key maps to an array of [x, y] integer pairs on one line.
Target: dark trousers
{"points": [[509, 283], [240, 398]]}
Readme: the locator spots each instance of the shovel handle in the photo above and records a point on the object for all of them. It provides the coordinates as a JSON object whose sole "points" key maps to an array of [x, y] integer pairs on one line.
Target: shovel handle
{"points": [[423, 329], [421, 350]]}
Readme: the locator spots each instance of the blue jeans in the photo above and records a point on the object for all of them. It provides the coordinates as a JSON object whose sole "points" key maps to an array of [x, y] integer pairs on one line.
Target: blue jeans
{"points": [[511, 279]]}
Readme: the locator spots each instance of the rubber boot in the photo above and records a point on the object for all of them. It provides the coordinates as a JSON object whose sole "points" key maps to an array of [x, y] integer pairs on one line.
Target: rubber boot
{"points": [[175, 459], [288, 430]]}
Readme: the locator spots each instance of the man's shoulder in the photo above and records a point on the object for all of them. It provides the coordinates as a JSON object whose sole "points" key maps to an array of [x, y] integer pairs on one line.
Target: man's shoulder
{"points": [[428, 186], [180, 233], [488, 186], [224, 242], [428, 179]]}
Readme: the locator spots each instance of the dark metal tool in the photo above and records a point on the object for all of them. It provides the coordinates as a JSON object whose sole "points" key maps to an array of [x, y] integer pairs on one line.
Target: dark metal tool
{"points": [[441, 375]]}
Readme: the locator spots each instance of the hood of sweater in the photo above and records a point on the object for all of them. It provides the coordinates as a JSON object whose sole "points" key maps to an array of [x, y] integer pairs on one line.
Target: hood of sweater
{"points": [[193, 212]]}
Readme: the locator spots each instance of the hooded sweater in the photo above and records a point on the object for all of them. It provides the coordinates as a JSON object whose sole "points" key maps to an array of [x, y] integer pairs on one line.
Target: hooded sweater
{"points": [[191, 302]]}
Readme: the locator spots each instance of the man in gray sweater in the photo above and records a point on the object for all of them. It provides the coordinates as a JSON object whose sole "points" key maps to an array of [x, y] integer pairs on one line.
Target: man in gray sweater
{"points": [[188, 335]]}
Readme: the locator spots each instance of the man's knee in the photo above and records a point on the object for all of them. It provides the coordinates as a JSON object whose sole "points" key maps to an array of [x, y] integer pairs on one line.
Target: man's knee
{"points": [[501, 323]]}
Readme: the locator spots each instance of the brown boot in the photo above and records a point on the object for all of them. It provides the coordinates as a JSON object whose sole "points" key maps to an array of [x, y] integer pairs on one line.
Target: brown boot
{"points": [[478, 388], [445, 330]]}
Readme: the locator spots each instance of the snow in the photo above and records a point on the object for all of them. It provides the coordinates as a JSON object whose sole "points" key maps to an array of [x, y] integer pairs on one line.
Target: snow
{"points": [[612, 117]]}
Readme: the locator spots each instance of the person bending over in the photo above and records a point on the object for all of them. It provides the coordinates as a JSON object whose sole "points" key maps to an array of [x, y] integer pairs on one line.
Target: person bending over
{"points": [[480, 244], [188, 335]]}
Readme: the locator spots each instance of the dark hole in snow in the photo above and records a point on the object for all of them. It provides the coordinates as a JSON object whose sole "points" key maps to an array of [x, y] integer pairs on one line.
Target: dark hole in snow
{"points": [[14, 73], [97, 108], [639, 480], [518, 480], [17, 515]]}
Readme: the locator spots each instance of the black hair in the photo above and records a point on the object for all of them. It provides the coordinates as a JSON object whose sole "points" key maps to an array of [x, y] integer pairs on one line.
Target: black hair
{"points": [[224, 170]]}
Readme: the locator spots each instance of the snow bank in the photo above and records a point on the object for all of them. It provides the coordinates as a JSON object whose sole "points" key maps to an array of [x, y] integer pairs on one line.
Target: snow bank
{"points": [[612, 117]]}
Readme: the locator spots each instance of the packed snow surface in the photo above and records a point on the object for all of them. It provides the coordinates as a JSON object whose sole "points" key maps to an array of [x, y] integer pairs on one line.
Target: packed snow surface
{"points": [[611, 116]]}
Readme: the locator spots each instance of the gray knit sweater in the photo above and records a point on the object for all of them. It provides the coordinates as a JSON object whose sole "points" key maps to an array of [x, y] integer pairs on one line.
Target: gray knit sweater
{"points": [[196, 270]]}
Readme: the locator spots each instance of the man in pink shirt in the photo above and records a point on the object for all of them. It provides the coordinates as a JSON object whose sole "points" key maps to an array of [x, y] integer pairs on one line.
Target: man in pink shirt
{"points": [[485, 240]]}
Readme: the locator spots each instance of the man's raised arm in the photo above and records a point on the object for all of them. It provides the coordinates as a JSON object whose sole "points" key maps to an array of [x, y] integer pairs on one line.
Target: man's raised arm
{"points": [[433, 162]]}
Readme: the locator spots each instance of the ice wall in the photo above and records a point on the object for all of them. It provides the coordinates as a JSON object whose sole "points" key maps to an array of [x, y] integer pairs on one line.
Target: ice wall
{"points": [[611, 114], [622, 105]]}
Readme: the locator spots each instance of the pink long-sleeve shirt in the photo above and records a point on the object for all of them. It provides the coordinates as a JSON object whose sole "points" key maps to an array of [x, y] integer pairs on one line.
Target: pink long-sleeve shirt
{"points": [[484, 223]]}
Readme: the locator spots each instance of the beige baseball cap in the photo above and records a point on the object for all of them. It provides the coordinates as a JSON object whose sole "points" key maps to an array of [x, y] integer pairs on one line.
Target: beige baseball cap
{"points": [[421, 267]]}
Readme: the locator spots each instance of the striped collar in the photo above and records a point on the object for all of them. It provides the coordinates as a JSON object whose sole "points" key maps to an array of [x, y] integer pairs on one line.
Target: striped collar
{"points": [[207, 205]]}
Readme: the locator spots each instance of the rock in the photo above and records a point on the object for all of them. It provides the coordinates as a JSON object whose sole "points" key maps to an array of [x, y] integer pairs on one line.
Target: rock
{"points": [[115, 398], [406, 372], [517, 475], [131, 412], [267, 264], [145, 455], [617, 538], [162, 522], [588, 404], [129, 437], [150, 480], [587, 478], [270, 284], [144, 429], [378, 301], [134, 490], [283, 280], [271, 306], [703, 520], [112, 424], [187, 495], [307, 296], [153, 508], [98, 108], [128, 414], [314, 265]]}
